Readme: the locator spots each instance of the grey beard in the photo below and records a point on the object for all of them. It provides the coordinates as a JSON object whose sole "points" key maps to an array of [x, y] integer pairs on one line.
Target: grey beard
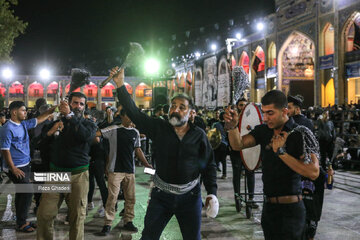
{"points": [[179, 122], [78, 113]]}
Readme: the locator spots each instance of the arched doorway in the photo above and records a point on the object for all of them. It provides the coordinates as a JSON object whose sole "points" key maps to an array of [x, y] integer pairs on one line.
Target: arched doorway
{"points": [[258, 74], [16, 92], [351, 48], [67, 88], [271, 73], [244, 61], [35, 90], [223, 95], [296, 67], [90, 92], [143, 94], [327, 49], [2, 90], [52, 90], [107, 96]]}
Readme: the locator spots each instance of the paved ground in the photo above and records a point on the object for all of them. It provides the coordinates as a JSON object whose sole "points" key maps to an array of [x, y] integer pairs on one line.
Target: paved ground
{"points": [[341, 214]]}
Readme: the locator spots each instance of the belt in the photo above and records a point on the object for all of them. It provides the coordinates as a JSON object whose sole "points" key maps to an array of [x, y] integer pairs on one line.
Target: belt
{"points": [[284, 199], [177, 189]]}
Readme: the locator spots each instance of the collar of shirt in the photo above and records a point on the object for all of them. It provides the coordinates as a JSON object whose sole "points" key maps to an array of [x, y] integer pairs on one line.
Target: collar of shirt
{"points": [[17, 124], [289, 125]]}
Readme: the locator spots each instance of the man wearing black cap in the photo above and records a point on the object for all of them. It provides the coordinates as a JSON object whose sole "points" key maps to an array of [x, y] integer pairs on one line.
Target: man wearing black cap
{"points": [[294, 106]]}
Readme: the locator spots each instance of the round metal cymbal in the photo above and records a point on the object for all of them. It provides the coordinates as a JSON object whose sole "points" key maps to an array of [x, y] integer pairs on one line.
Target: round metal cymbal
{"points": [[214, 137]]}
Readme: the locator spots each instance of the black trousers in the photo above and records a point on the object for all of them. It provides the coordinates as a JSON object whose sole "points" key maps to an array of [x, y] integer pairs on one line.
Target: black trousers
{"points": [[220, 157], [283, 221], [96, 172], [326, 150], [237, 166], [22, 200]]}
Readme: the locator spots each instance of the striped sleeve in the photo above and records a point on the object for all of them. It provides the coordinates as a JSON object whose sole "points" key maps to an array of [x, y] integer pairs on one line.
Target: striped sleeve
{"points": [[108, 132], [137, 141]]}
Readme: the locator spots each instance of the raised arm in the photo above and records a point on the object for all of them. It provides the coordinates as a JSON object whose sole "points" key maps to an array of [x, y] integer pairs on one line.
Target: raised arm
{"points": [[45, 115], [142, 121], [231, 124]]}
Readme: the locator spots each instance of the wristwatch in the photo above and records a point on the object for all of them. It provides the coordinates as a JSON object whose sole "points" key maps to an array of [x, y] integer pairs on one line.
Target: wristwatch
{"points": [[281, 151]]}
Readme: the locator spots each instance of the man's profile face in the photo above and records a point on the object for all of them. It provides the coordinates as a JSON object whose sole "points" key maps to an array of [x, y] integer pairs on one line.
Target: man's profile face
{"points": [[273, 116], [20, 113], [179, 112], [291, 109], [125, 120], [2, 120], [77, 105]]}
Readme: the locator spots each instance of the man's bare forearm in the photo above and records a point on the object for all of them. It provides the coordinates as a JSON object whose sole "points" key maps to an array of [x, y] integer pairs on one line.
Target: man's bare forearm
{"points": [[6, 154], [235, 139], [140, 155]]}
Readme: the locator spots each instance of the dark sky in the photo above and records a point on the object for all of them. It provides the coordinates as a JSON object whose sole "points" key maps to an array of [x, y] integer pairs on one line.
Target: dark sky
{"points": [[67, 33]]}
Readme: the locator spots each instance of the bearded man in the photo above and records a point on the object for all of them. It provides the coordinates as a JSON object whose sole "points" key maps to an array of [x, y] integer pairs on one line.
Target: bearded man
{"points": [[183, 153], [69, 153]]}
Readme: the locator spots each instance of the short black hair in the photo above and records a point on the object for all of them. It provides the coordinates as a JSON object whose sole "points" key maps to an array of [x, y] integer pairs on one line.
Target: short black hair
{"points": [[2, 115], [296, 100], [221, 116], [241, 100], [16, 105], [166, 108], [87, 112], [77, 94], [39, 102], [158, 108], [184, 96], [275, 97]]}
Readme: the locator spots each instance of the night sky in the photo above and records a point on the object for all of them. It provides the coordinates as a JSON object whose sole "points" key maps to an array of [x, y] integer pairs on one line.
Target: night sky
{"points": [[92, 34]]}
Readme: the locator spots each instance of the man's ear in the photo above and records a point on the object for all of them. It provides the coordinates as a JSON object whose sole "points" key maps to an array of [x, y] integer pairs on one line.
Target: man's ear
{"points": [[285, 111]]}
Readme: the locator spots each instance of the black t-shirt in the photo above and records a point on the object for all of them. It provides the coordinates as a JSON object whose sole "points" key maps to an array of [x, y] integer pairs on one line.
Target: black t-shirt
{"points": [[123, 142], [278, 178]]}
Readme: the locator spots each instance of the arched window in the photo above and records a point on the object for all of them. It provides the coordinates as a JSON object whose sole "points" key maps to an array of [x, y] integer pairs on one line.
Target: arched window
{"points": [[329, 36], [259, 60], [352, 34], [272, 55], [67, 88], [107, 90], [90, 90], [244, 61], [2, 90], [36, 90]]}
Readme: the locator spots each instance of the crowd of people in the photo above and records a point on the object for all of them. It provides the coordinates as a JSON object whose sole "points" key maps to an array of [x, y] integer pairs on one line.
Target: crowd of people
{"points": [[104, 146]]}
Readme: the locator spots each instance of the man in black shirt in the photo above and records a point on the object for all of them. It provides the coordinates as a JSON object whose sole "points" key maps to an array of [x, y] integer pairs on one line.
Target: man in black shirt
{"points": [[183, 153], [294, 106], [124, 144], [283, 215], [196, 120], [69, 153]]}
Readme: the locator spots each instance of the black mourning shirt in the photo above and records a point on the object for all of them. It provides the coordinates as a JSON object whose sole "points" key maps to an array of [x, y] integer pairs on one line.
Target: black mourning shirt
{"points": [[304, 121], [123, 142], [177, 161], [278, 178]]}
